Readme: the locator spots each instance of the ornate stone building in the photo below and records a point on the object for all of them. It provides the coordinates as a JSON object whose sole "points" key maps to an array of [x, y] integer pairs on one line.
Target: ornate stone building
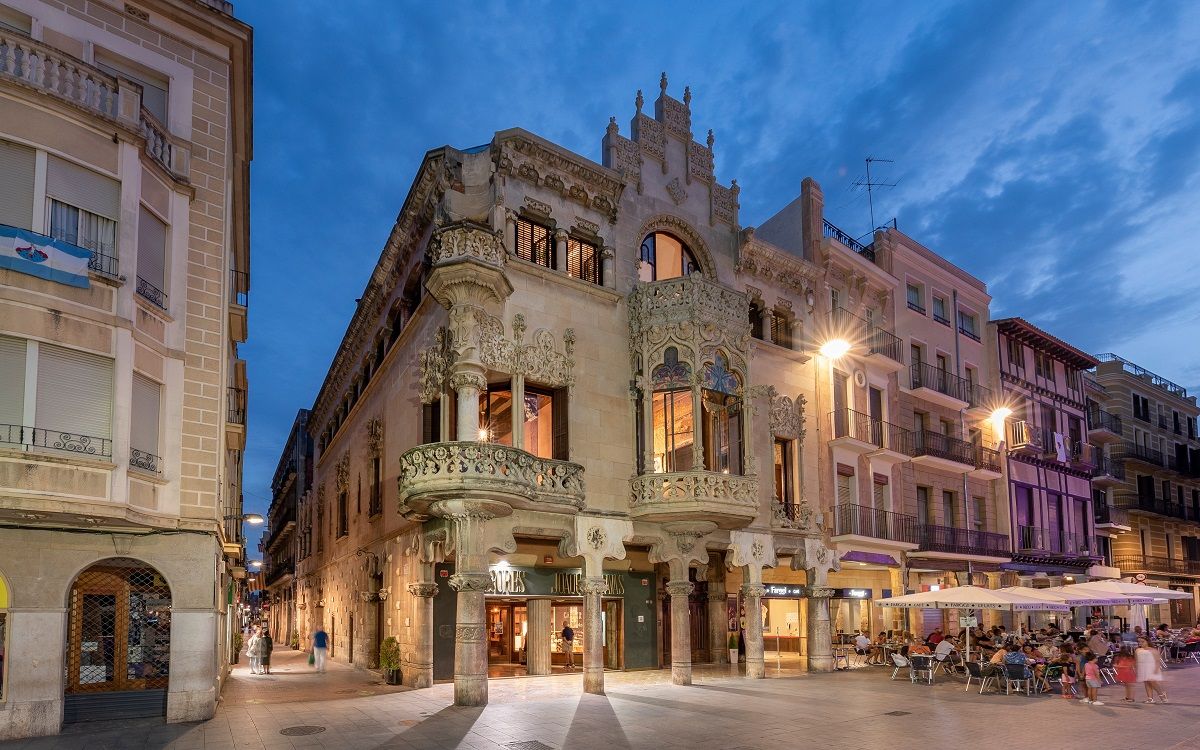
{"points": [[125, 134], [280, 542]]}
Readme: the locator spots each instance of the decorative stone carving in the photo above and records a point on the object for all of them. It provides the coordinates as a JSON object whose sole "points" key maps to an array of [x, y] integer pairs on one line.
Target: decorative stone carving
{"points": [[467, 379], [481, 582], [439, 468], [466, 241], [687, 487], [750, 548], [725, 203], [384, 593], [818, 560], [469, 633], [651, 138], [555, 183], [539, 361], [593, 585], [785, 270], [342, 472], [596, 537], [374, 437], [676, 191], [556, 169], [784, 419], [423, 590], [435, 364], [537, 207], [753, 590], [590, 227], [700, 161], [680, 588]]}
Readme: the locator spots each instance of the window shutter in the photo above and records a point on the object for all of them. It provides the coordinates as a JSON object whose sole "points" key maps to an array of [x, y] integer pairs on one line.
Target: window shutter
{"points": [[152, 249], [16, 189], [74, 392], [145, 417], [83, 188], [431, 421], [12, 375], [558, 408]]}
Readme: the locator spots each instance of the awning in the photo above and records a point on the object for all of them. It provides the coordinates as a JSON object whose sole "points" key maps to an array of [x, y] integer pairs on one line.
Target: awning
{"points": [[870, 558]]}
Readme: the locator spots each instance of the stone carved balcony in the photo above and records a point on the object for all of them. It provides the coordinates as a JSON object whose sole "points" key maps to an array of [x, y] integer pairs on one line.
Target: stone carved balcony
{"points": [[473, 470], [729, 500]]}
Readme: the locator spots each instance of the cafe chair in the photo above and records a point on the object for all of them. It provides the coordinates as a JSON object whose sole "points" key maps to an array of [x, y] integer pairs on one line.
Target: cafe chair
{"points": [[1108, 673], [1014, 674], [921, 665], [975, 671], [1192, 651], [900, 662]]}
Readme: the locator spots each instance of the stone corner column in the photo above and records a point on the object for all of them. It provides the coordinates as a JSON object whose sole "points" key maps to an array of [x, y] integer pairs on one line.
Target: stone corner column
{"points": [[718, 612], [752, 593], [560, 250], [468, 382], [681, 632], [470, 639], [607, 267], [418, 671], [593, 634], [820, 638], [537, 639]]}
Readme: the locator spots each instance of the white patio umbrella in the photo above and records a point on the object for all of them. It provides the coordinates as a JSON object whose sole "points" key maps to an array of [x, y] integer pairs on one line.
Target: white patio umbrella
{"points": [[973, 597], [1075, 598], [1131, 593]]}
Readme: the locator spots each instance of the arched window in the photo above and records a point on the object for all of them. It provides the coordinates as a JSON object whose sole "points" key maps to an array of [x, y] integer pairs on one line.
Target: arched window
{"points": [[664, 256], [673, 420], [722, 426]]}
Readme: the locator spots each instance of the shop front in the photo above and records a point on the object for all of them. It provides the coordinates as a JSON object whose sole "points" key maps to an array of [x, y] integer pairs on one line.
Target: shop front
{"points": [[527, 609]]}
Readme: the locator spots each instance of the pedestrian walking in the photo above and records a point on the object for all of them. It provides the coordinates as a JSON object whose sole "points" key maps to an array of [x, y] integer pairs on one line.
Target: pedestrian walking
{"points": [[265, 646], [1091, 678], [568, 644], [252, 651], [1149, 671], [320, 649], [1126, 667]]}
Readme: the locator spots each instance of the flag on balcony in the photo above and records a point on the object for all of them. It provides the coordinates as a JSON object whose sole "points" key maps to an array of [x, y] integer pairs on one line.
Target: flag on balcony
{"points": [[1060, 447], [44, 257]]}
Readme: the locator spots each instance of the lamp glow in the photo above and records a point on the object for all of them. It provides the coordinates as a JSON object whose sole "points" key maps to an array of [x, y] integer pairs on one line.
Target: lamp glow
{"points": [[483, 434], [834, 348], [256, 564], [1001, 413], [253, 519]]}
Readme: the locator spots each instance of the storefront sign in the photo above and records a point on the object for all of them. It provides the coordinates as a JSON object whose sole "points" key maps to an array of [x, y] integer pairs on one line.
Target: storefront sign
{"points": [[568, 584], [508, 581], [798, 591]]}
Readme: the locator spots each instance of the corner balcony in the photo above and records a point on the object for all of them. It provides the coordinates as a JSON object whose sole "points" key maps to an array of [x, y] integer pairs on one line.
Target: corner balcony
{"points": [[486, 471], [235, 417], [239, 303], [875, 438], [939, 386], [729, 500], [1103, 427], [862, 524], [937, 451]]}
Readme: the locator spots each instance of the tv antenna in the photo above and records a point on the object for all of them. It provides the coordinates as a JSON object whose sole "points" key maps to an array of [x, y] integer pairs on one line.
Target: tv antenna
{"points": [[870, 186]]}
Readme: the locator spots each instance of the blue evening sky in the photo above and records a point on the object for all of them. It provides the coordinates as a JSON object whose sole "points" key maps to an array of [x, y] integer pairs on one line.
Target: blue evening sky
{"points": [[1051, 149]]}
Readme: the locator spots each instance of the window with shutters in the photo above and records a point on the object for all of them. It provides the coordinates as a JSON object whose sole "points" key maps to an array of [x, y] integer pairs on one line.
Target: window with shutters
{"points": [[431, 422], [879, 495], [534, 243], [13, 20], [12, 394], [846, 494], [16, 189], [781, 327], [924, 516], [376, 503], [82, 208], [73, 404], [152, 258], [144, 425], [583, 261]]}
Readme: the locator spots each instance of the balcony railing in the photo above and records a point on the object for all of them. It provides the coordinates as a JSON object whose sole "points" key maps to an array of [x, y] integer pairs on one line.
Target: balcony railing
{"points": [[849, 423], [239, 288], [937, 445], [1055, 541], [50, 71], [971, 334], [151, 293], [1163, 422], [875, 339], [1143, 453], [987, 458], [980, 396], [1155, 564], [1109, 515], [1098, 419], [145, 460], [43, 439], [1084, 454], [236, 402], [925, 375], [1109, 466], [441, 470], [849, 518], [833, 232], [1141, 372], [1151, 504], [962, 541]]}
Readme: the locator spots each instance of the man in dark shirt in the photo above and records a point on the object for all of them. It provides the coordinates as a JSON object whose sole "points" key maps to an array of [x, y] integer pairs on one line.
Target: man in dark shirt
{"points": [[568, 644], [320, 649]]}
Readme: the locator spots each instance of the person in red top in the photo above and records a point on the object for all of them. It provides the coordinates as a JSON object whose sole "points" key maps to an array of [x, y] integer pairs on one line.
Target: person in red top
{"points": [[935, 637]]}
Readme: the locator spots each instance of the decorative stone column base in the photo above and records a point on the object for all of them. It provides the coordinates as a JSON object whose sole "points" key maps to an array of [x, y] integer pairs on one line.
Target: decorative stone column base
{"points": [[681, 632], [418, 672], [593, 587], [470, 639]]}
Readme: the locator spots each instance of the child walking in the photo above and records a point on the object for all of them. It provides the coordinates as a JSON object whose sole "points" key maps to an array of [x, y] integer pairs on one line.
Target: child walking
{"points": [[1091, 678], [1126, 667]]}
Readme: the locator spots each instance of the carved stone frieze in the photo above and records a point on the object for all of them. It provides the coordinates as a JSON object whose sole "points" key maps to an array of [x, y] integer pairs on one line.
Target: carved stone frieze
{"points": [[725, 203], [462, 241], [651, 137], [680, 588], [423, 590], [536, 206], [784, 419], [590, 227], [593, 585], [374, 437], [785, 270], [676, 191], [481, 582], [435, 363], [342, 472], [700, 161]]}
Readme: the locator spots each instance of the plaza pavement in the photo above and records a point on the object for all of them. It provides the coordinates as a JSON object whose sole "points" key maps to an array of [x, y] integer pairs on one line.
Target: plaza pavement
{"points": [[847, 710]]}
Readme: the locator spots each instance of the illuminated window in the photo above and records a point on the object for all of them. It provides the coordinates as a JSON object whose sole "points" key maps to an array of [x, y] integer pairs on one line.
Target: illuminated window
{"points": [[665, 257], [783, 472], [583, 261], [673, 418], [544, 419], [534, 243], [722, 418]]}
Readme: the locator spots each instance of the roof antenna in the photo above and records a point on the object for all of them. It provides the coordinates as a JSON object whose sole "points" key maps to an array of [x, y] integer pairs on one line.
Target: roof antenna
{"points": [[869, 185]]}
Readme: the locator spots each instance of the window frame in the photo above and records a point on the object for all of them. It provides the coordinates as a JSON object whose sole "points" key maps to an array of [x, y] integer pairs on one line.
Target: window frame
{"points": [[648, 255], [576, 245], [532, 255], [917, 306]]}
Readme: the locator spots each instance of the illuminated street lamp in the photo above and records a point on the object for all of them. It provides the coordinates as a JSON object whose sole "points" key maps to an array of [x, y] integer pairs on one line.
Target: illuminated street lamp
{"points": [[254, 519], [256, 564], [834, 348]]}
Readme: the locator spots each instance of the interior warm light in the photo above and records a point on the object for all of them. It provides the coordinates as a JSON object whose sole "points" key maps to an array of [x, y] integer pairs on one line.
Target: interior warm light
{"points": [[483, 434], [502, 564], [834, 348]]}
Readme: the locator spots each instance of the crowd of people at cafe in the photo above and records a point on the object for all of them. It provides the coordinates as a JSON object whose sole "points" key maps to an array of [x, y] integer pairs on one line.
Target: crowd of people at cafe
{"points": [[1052, 659]]}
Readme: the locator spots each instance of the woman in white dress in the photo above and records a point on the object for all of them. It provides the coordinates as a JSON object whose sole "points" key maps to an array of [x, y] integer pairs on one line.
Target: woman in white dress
{"points": [[1149, 671]]}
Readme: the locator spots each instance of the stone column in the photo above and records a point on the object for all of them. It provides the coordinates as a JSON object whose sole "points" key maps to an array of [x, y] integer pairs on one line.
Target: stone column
{"points": [[420, 661], [468, 383], [560, 250], [537, 639], [518, 411], [820, 641], [593, 588], [607, 267], [718, 610], [510, 232], [681, 632], [752, 593]]}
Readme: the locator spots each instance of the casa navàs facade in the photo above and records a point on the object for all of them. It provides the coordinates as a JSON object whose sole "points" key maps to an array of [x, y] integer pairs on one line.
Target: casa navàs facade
{"points": [[605, 301]]}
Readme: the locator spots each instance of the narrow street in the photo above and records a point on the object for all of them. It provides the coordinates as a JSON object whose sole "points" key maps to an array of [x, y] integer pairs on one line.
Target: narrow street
{"points": [[292, 680]]}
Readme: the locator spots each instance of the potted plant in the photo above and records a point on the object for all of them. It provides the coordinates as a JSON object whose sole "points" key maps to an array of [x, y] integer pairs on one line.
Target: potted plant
{"points": [[733, 648], [237, 646], [295, 642], [389, 660]]}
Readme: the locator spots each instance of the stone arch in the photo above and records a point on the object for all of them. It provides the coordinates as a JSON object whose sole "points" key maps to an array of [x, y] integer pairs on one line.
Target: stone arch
{"points": [[683, 230]]}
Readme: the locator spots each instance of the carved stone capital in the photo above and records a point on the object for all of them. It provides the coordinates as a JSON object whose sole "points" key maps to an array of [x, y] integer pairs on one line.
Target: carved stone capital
{"points": [[680, 588], [465, 379], [423, 590], [753, 590], [593, 585], [481, 582], [819, 592], [469, 633]]}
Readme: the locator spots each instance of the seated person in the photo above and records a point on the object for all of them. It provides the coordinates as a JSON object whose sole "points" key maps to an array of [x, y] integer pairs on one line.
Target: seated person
{"points": [[877, 651], [916, 648], [1098, 643], [945, 647], [1013, 655], [1193, 636], [935, 637]]}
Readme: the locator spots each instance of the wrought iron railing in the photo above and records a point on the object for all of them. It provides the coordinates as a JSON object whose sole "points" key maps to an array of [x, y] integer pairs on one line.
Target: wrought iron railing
{"points": [[1142, 372], [860, 520], [833, 232], [1099, 419], [1143, 453], [979, 396], [987, 458], [849, 423], [962, 541], [1150, 504], [859, 330], [239, 288], [1109, 466], [974, 335], [925, 375], [937, 445], [1110, 515], [1156, 564], [41, 438], [145, 460], [236, 402], [151, 293]]}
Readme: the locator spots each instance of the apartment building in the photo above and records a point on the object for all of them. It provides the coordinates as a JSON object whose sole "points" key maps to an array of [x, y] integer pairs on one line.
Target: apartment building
{"points": [[125, 143], [1150, 425], [281, 542], [1050, 457]]}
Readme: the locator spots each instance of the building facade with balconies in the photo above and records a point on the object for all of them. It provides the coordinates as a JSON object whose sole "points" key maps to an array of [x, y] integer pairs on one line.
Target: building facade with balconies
{"points": [[907, 459], [125, 143], [1050, 459], [554, 365], [280, 542], [1154, 481]]}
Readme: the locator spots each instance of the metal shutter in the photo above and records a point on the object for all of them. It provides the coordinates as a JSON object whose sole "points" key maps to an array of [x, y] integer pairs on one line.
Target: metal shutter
{"points": [[16, 189], [83, 188], [74, 392], [145, 417], [152, 249], [12, 375]]}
